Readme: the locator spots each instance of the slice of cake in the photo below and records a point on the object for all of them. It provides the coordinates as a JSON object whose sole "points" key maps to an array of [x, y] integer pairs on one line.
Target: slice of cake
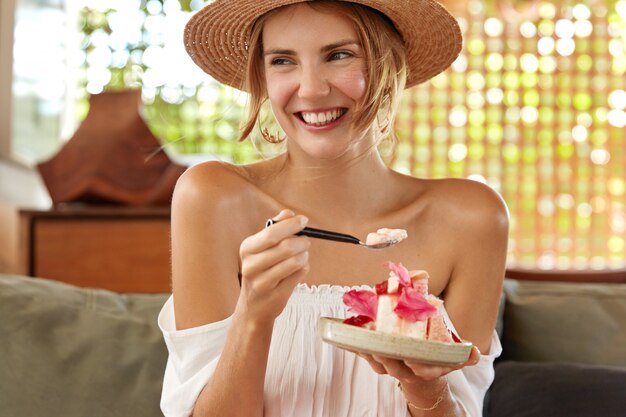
{"points": [[400, 305]]}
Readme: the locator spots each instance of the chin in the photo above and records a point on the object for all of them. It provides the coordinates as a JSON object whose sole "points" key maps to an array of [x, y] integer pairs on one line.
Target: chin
{"points": [[327, 151], [325, 147]]}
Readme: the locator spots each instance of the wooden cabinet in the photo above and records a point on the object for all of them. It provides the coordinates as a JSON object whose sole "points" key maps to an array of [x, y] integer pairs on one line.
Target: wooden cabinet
{"points": [[117, 248], [127, 249]]}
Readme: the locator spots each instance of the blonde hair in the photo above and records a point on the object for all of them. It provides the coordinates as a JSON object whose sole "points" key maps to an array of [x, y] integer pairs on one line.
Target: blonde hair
{"points": [[385, 67]]}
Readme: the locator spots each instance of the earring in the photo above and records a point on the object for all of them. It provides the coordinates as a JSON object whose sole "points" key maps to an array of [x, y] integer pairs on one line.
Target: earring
{"points": [[271, 138]]}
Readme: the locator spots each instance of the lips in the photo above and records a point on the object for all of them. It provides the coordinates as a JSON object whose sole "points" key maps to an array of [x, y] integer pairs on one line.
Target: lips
{"points": [[321, 118]]}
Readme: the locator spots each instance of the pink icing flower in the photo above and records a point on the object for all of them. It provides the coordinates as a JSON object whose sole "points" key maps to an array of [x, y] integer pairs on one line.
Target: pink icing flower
{"points": [[401, 272], [412, 306], [362, 302]]}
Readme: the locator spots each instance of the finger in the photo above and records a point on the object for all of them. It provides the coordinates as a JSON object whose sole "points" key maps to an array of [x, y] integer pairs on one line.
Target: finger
{"points": [[284, 214], [289, 283], [269, 302], [274, 234], [374, 364], [278, 258], [265, 272], [474, 357], [395, 368], [426, 371], [292, 271], [472, 360]]}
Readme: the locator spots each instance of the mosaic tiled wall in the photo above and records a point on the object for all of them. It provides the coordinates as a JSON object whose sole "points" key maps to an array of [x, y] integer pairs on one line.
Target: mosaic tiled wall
{"points": [[535, 107]]}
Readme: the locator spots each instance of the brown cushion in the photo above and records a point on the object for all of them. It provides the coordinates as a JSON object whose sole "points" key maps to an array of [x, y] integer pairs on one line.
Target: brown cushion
{"points": [[557, 390], [76, 352], [567, 322]]}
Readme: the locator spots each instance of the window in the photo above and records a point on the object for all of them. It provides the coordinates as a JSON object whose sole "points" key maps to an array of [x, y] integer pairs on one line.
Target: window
{"points": [[39, 78]]}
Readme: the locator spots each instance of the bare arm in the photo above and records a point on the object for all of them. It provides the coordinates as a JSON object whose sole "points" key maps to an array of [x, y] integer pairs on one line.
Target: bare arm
{"points": [[206, 254], [478, 241], [472, 296]]}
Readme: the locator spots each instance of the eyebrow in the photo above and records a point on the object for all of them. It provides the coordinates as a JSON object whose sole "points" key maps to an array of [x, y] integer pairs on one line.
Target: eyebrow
{"points": [[326, 48]]}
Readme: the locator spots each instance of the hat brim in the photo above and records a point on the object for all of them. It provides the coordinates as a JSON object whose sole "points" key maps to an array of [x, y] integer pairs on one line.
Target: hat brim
{"points": [[217, 36]]}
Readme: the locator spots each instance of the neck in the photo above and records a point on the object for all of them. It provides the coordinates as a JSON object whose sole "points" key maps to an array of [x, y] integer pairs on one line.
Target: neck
{"points": [[353, 189]]}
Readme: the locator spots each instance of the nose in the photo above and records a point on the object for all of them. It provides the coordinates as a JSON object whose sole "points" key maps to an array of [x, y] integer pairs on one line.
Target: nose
{"points": [[313, 83]]}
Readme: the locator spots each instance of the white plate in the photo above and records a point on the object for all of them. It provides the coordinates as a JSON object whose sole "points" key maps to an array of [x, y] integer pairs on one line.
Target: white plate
{"points": [[335, 332]]}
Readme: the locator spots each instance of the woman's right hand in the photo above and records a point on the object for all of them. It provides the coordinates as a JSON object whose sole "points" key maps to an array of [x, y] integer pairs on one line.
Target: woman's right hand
{"points": [[273, 262]]}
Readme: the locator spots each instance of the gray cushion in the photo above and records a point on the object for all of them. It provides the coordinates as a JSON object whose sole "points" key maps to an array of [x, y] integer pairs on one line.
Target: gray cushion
{"points": [[557, 390], [74, 352], [567, 322]]}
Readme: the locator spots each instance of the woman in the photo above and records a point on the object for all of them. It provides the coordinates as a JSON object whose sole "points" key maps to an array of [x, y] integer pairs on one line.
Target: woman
{"points": [[241, 327]]}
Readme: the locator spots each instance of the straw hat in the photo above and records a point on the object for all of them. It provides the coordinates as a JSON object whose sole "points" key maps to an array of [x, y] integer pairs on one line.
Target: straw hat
{"points": [[216, 37]]}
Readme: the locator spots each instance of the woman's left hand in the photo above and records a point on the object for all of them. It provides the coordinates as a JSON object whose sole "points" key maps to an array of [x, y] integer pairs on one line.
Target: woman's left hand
{"points": [[412, 371]]}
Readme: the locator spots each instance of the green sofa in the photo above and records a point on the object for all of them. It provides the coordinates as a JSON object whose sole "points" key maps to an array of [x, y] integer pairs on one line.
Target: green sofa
{"points": [[76, 352], [564, 351]]}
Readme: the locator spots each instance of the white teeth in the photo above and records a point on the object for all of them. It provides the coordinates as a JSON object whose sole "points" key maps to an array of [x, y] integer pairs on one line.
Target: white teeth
{"points": [[320, 118]]}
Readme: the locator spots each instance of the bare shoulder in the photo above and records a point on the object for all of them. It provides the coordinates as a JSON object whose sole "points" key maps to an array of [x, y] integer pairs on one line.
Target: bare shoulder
{"points": [[208, 179], [474, 222], [215, 182], [470, 203], [208, 199], [472, 196], [473, 219]]}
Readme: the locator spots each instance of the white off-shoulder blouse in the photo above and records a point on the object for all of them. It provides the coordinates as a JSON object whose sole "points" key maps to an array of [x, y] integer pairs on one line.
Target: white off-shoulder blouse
{"points": [[305, 377]]}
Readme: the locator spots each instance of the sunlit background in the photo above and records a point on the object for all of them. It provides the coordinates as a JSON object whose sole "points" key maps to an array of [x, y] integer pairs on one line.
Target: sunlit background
{"points": [[535, 107]]}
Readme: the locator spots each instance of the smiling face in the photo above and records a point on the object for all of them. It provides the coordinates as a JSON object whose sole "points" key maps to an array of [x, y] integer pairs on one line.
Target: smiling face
{"points": [[315, 76]]}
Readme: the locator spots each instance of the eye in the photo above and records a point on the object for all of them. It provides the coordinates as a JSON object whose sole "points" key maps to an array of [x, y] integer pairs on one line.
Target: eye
{"points": [[335, 56], [280, 61]]}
